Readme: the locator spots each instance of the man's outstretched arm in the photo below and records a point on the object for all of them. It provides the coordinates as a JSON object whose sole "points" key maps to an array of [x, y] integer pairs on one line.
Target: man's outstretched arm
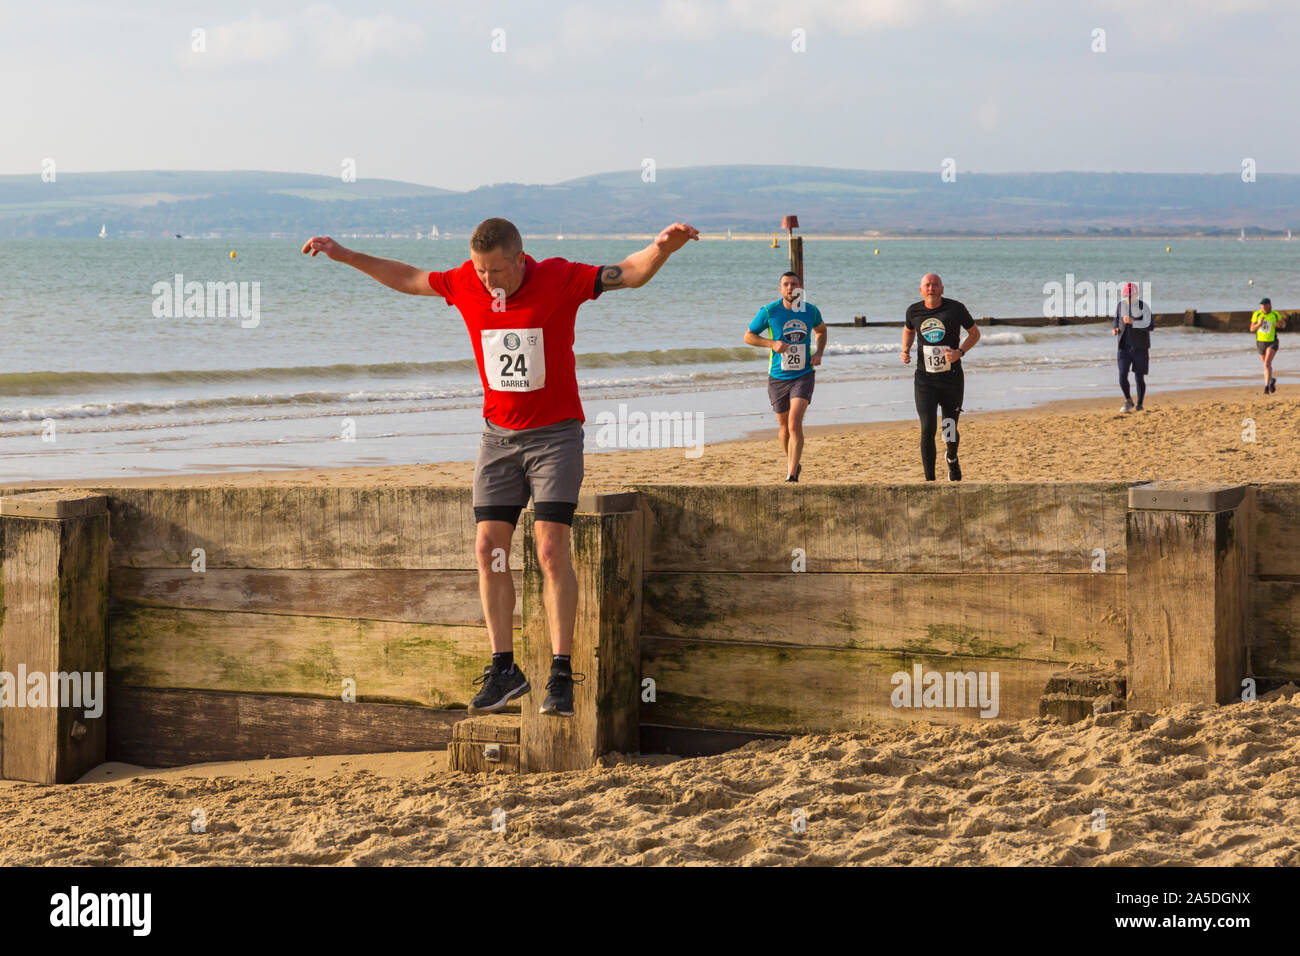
{"points": [[394, 274], [638, 268]]}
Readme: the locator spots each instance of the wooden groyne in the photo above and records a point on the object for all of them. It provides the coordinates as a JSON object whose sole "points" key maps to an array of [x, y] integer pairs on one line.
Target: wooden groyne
{"points": [[1234, 321], [238, 623]]}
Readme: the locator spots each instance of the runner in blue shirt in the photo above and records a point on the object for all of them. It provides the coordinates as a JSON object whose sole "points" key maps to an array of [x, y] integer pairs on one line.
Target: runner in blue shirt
{"points": [[793, 326]]}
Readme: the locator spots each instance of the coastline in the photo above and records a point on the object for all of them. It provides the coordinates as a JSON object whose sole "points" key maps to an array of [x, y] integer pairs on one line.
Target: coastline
{"points": [[1189, 433]]}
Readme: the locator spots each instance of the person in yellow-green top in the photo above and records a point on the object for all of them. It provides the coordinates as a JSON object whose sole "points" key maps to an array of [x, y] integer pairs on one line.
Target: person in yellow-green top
{"points": [[1265, 323]]}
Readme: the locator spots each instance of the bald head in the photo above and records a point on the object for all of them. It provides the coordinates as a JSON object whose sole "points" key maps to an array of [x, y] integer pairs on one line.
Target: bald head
{"points": [[931, 289]]}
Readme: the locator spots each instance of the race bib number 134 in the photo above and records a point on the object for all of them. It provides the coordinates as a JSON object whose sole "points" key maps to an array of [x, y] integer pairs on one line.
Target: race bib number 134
{"points": [[514, 360], [936, 358]]}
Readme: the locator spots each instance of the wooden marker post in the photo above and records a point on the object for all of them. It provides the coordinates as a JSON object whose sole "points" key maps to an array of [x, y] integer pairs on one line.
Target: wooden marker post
{"points": [[790, 224], [53, 608], [608, 554], [1188, 548]]}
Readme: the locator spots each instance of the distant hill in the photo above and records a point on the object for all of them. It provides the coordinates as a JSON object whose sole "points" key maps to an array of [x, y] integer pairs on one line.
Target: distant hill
{"points": [[714, 198]]}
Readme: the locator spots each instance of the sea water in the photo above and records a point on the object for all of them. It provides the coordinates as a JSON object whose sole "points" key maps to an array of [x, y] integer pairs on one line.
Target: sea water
{"points": [[99, 378]]}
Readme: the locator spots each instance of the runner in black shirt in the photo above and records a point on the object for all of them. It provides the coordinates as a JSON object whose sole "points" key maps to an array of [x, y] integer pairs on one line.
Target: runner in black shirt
{"points": [[939, 381]]}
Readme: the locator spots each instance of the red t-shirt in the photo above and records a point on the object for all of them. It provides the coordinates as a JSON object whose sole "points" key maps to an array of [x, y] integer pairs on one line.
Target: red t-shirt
{"points": [[525, 350]]}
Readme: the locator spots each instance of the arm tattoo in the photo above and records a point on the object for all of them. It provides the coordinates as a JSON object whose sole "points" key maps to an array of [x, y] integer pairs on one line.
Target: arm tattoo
{"points": [[611, 277]]}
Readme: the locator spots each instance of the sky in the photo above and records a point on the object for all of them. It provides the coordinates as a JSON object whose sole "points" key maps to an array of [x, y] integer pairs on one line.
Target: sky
{"points": [[468, 94]]}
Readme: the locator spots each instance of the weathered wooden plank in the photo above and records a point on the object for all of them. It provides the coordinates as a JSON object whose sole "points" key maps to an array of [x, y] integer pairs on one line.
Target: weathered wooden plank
{"points": [[1277, 528], [29, 747], [83, 639], [53, 598], [283, 528], [418, 597], [1185, 607], [1274, 650], [1090, 518], [52, 503], [608, 551], [167, 728], [488, 728], [474, 757], [1060, 617], [431, 665], [970, 527], [985, 514], [488, 744], [785, 690]]}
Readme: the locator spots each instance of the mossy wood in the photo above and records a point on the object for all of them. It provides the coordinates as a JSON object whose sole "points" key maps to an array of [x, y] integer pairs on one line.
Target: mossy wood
{"points": [[431, 665], [761, 687], [1029, 528], [168, 728], [608, 553], [418, 597], [1060, 617]]}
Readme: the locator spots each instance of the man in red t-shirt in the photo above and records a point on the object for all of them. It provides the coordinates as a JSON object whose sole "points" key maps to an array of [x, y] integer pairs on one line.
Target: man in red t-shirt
{"points": [[520, 314]]}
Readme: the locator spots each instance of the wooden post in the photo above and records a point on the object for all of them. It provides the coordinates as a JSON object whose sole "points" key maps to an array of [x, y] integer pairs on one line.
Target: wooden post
{"points": [[796, 256], [488, 744], [790, 224], [1188, 546], [608, 554], [53, 608]]}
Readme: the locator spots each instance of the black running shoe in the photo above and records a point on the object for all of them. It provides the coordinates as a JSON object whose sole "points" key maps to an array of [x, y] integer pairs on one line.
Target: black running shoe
{"points": [[559, 693], [954, 469], [499, 688], [795, 477], [1272, 385]]}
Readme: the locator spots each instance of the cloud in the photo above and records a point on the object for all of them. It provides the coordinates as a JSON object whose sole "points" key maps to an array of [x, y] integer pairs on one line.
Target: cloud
{"points": [[704, 20], [340, 40], [322, 32], [250, 40]]}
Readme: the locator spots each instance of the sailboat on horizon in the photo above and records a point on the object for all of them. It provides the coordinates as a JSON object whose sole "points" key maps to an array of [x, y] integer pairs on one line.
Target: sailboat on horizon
{"points": [[1242, 237], [103, 231], [433, 232]]}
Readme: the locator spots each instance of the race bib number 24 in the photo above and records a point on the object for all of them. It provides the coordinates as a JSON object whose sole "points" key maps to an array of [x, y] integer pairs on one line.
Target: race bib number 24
{"points": [[514, 360]]}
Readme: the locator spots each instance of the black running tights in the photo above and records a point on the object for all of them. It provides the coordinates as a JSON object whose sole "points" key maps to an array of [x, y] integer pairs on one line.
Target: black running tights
{"points": [[934, 392]]}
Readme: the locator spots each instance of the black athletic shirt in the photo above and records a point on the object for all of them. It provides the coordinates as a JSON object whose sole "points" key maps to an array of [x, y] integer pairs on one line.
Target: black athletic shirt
{"points": [[935, 328]]}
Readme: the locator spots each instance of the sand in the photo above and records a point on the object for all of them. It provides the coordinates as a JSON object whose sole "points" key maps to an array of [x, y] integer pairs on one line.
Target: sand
{"points": [[1190, 434], [1194, 785], [1189, 786]]}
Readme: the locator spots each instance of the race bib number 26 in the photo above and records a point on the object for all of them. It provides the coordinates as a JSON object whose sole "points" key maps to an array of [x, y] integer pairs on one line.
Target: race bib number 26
{"points": [[514, 360], [793, 358]]}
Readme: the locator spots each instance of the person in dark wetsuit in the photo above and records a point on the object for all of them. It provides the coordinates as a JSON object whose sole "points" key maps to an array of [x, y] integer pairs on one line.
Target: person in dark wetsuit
{"points": [[939, 382]]}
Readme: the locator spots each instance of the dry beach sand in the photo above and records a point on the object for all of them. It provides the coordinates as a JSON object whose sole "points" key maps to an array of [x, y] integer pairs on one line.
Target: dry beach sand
{"points": [[1193, 785], [1188, 435]]}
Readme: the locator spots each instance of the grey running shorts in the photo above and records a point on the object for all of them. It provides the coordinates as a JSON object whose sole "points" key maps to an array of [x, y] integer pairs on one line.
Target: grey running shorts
{"points": [[781, 390], [513, 464]]}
